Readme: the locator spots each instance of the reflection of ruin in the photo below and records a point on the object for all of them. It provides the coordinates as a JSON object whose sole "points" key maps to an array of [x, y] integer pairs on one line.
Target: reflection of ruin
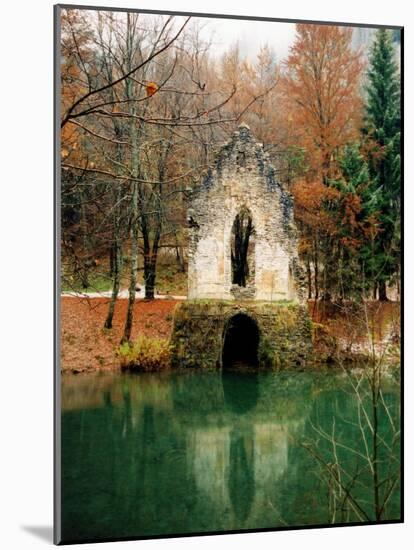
{"points": [[241, 478], [210, 459], [238, 461], [201, 451], [195, 452], [237, 470]]}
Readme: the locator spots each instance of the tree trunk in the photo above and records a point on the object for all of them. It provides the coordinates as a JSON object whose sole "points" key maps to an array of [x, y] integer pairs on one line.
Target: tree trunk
{"points": [[180, 258], [179, 255], [398, 285], [316, 271], [309, 275], [84, 224], [117, 268], [382, 291], [116, 247], [134, 216], [126, 337], [149, 276], [112, 260], [150, 266]]}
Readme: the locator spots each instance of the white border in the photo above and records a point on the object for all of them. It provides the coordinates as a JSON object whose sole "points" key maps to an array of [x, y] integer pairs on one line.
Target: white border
{"points": [[26, 285]]}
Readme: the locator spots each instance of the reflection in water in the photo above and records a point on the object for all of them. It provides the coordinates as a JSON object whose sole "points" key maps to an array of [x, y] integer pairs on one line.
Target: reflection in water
{"points": [[209, 463], [241, 390], [175, 453], [241, 393], [241, 475]]}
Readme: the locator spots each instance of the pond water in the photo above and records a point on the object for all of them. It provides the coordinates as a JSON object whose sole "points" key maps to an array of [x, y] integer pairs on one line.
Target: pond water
{"points": [[175, 453]]}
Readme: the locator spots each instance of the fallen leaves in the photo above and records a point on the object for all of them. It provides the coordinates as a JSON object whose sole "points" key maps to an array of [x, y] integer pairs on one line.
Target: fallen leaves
{"points": [[86, 346]]}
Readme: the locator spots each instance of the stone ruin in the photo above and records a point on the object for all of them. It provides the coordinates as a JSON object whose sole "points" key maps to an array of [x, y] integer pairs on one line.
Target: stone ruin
{"points": [[246, 286], [242, 184]]}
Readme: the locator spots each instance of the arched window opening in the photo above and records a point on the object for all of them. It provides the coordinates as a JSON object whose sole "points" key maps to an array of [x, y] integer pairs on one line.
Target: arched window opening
{"points": [[242, 248]]}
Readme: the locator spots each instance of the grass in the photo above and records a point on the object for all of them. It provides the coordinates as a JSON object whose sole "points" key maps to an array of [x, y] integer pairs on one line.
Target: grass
{"points": [[98, 282], [170, 280]]}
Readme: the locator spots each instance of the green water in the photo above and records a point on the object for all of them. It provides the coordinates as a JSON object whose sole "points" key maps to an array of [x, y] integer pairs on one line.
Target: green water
{"points": [[172, 453]]}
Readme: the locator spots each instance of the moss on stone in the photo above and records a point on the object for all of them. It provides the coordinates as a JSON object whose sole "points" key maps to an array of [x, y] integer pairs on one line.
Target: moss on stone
{"points": [[199, 328]]}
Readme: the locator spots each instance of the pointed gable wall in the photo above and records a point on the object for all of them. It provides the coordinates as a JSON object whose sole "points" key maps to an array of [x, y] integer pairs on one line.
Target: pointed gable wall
{"points": [[242, 177]]}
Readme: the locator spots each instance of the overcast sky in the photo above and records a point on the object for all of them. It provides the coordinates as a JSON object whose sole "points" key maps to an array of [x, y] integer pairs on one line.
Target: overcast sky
{"points": [[251, 35]]}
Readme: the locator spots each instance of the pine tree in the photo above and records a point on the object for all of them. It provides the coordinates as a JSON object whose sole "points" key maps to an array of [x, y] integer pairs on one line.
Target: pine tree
{"points": [[355, 221], [382, 128]]}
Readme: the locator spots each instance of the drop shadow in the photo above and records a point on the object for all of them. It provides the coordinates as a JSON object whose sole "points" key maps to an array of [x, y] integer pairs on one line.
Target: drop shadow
{"points": [[43, 532]]}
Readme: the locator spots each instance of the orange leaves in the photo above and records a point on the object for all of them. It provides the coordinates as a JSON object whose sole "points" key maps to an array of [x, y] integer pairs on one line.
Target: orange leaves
{"points": [[325, 210], [352, 207], [255, 82], [76, 52], [70, 137], [321, 87], [350, 242], [311, 201], [348, 222], [150, 318], [310, 196], [151, 88]]}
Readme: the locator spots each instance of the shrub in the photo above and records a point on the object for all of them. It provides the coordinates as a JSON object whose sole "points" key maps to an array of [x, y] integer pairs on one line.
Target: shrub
{"points": [[146, 354]]}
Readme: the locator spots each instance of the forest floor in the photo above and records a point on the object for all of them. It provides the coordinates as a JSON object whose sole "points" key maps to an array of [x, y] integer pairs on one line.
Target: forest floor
{"points": [[86, 346]]}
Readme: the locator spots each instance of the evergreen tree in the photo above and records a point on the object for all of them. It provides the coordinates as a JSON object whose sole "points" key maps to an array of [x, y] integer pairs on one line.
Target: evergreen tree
{"points": [[355, 212], [382, 128]]}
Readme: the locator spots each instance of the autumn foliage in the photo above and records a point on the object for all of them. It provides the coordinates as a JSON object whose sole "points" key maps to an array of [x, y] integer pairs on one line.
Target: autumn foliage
{"points": [[335, 210], [151, 88], [321, 84], [145, 105]]}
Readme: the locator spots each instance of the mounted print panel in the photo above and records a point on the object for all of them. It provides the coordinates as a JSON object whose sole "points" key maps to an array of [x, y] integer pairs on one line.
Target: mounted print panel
{"points": [[229, 274]]}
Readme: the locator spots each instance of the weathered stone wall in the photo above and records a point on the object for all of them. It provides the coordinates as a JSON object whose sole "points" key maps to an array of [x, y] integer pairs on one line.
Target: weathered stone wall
{"points": [[200, 326], [243, 177]]}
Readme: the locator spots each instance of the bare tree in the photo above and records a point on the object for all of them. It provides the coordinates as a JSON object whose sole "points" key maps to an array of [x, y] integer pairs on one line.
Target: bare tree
{"points": [[362, 478], [148, 109]]}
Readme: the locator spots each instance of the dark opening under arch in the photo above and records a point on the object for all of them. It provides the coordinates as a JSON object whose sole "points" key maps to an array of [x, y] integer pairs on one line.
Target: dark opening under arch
{"points": [[241, 342], [242, 248]]}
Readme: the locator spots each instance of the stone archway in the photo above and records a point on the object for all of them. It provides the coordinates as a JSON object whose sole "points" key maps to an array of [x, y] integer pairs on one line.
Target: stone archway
{"points": [[240, 342]]}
